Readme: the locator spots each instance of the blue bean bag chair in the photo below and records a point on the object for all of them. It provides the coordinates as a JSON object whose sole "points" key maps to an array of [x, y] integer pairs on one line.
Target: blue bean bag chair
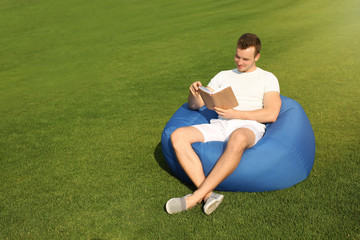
{"points": [[282, 158]]}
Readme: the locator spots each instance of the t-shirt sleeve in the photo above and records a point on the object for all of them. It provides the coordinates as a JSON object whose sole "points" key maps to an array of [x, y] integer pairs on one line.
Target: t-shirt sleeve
{"points": [[215, 81], [272, 83]]}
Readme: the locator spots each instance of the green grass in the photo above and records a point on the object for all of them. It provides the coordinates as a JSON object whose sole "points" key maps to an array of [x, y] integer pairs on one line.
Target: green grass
{"points": [[86, 88]]}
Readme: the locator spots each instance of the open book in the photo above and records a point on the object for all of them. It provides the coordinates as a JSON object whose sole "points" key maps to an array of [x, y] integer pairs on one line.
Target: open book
{"points": [[223, 97]]}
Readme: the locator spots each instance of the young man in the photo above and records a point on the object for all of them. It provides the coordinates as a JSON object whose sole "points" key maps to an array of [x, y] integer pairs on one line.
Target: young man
{"points": [[258, 95]]}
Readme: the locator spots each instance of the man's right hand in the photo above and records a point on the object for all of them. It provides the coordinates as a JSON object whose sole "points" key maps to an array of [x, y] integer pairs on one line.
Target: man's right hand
{"points": [[195, 101], [194, 88]]}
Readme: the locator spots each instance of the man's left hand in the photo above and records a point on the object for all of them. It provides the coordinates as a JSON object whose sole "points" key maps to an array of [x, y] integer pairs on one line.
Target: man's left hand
{"points": [[225, 113]]}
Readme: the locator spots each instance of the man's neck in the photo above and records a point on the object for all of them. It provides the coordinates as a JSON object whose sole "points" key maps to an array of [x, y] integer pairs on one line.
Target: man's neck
{"points": [[253, 69]]}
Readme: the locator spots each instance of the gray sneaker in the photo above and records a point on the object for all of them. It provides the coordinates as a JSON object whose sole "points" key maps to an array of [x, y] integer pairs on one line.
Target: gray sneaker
{"points": [[176, 205], [212, 203]]}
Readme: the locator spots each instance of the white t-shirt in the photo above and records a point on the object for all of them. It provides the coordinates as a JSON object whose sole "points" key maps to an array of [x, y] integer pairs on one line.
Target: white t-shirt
{"points": [[249, 88]]}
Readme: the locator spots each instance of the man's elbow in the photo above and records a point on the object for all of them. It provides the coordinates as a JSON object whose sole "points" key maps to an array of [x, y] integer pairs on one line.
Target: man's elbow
{"points": [[273, 118], [193, 106]]}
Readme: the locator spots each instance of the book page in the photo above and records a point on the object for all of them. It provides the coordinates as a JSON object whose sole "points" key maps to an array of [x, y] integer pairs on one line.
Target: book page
{"points": [[217, 90], [220, 89], [205, 89]]}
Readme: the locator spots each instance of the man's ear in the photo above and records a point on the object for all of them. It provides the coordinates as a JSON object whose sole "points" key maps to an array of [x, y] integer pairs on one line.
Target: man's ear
{"points": [[257, 57]]}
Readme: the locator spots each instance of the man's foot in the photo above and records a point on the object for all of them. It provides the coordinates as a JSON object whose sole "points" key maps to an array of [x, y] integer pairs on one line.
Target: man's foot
{"points": [[176, 205], [212, 203]]}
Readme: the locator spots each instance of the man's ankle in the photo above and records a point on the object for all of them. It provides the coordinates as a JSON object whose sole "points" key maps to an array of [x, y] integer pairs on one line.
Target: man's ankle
{"points": [[207, 196]]}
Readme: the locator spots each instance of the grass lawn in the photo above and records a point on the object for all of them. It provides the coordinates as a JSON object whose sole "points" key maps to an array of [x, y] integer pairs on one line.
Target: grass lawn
{"points": [[86, 88]]}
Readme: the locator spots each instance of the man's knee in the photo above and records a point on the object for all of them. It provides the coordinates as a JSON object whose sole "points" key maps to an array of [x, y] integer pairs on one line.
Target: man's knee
{"points": [[176, 136], [241, 139], [185, 136], [179, 137]]}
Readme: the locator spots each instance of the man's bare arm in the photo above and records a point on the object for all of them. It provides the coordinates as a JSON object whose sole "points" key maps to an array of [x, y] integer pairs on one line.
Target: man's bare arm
{"points": [[194, 100], [270, 112]]}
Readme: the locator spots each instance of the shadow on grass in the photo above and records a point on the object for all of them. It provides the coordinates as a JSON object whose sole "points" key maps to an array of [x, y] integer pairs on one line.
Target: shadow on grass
{"points": [[161, 160], [162, 163]]}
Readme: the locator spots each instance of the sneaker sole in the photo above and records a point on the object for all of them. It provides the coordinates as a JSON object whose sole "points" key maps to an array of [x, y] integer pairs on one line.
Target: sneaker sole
{"points": [[212, 207]]}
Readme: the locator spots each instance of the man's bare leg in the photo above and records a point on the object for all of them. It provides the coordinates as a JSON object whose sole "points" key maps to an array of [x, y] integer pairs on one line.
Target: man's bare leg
{"points": [[182, 138], [240, 140]]}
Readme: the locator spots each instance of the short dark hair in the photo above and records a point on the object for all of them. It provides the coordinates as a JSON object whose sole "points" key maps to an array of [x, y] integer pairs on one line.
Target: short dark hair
{"points": [[249, 40]]}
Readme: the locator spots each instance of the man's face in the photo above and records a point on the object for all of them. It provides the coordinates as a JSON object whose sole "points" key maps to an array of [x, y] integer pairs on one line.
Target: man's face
{"points": [[245, 59]]}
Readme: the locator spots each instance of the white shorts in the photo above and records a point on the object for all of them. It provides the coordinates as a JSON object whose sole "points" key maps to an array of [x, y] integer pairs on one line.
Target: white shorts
{"points": [[221, 129]]}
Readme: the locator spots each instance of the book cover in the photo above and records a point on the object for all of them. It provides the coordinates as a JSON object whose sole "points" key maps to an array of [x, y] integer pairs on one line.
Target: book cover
{"points": [[223, 98]]}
